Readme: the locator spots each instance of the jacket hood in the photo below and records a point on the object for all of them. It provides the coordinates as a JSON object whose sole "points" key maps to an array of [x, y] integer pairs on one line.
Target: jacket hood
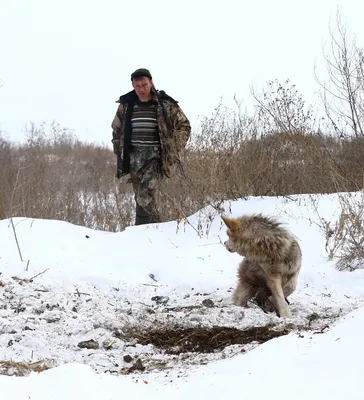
{"points": [[125, 98]]}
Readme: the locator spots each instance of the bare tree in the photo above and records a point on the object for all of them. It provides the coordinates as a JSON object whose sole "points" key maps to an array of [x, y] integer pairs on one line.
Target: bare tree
{"points": [[343, 91], [281, 108]]}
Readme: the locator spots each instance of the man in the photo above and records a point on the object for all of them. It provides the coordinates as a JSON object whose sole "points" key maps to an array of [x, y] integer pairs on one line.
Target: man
{"points": [[149, 131]]}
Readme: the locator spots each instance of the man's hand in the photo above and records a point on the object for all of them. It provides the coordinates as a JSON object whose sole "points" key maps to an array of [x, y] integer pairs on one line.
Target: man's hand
{"points": [[119, 166], [116, 144]]}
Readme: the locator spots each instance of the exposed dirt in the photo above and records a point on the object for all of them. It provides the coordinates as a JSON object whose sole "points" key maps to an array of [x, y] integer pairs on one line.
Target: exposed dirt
{"points": [[204, 339]]}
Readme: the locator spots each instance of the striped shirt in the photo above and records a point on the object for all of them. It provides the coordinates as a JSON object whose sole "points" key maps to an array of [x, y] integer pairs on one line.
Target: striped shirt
{"points": [[144, 124]]}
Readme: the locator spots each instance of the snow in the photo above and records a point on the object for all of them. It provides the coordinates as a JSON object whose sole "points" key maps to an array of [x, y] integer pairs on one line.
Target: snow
{"points": [[325, 366], [75, 284]]}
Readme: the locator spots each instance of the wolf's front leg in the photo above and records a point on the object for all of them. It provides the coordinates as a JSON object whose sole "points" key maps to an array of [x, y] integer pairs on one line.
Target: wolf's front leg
{"points": [[275, 285], [243, 292]]}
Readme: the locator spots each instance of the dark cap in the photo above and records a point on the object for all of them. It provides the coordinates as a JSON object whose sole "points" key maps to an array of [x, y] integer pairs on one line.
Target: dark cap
{"points": [[141, 72]]}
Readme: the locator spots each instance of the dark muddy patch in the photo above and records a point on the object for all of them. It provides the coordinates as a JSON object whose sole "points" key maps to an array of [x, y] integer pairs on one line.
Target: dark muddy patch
{"points": [[204, 339]]}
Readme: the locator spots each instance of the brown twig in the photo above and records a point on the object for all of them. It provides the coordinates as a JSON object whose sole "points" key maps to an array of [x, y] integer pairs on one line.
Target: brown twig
{"points": [[16, 238], [81, 293], [40, 273]]}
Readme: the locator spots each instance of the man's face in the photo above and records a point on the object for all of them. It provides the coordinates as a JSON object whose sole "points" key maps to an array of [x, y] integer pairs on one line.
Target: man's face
{"points": [[142, 87]]}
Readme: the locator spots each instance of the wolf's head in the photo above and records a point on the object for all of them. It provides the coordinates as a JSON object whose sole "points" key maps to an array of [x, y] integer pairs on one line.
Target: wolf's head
{"points": [[233, 226], [258, 236]]}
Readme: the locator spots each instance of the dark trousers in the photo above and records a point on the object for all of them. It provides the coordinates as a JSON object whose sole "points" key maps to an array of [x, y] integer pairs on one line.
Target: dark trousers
{"points": [[145, 177]]}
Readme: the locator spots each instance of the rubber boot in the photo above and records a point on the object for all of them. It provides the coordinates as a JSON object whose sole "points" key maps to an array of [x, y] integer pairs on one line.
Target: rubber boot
{"points": [[142, 217]]}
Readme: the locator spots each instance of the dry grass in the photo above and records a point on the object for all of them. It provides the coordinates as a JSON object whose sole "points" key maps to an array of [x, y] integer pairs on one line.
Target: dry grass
{"points": [[72, 181], [14, 368]]}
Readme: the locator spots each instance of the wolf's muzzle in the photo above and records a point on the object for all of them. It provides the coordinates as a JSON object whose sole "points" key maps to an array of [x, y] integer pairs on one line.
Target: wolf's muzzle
{"points": [[226, 244]]}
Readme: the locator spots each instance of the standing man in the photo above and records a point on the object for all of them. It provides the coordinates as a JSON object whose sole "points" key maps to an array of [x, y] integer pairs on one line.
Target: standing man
{"points": [[149, 131]]}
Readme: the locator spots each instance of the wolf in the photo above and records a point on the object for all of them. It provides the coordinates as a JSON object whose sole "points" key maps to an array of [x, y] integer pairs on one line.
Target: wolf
{"points": [[271, 264]]}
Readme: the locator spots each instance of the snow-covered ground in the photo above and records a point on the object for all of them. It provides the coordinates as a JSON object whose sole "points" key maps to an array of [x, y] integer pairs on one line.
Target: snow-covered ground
{"points": [[76, 285]]}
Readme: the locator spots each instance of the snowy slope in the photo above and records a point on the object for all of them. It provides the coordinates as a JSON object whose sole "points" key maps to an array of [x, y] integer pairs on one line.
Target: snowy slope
{"points": [[76, 284]]}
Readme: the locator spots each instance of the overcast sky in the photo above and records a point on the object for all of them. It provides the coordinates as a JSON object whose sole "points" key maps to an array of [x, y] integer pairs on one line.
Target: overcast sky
{"points": [[70, 60]]}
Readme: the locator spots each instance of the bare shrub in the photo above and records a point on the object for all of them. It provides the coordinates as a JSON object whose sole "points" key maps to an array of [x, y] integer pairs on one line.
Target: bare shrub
{"points": [[343, 99], [211, 174], [345, 238], [281, 108], [55, 176]]}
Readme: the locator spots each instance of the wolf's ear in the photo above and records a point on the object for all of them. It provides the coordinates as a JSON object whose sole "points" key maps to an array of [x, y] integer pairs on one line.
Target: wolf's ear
{"points": [[232, 224]]}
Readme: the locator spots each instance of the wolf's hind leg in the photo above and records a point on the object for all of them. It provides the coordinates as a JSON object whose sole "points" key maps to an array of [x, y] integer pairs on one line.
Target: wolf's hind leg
{"points": [[264, 301]]}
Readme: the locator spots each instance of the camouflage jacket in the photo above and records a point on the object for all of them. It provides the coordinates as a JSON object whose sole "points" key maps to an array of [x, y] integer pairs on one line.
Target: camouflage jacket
{"points": [[173, 127]]}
